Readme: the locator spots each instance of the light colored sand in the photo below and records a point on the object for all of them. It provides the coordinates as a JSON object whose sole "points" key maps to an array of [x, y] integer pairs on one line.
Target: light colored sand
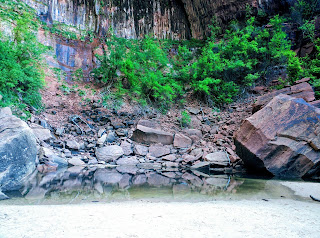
{"points": [[273, 218], [304, 189]]}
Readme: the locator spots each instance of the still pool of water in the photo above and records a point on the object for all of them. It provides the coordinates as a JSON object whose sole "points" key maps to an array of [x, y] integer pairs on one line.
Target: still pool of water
{"points": [[78, 185]]}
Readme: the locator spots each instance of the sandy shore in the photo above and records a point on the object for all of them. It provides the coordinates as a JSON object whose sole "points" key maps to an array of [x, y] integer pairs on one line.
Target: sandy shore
{"points": [[273, 218]]}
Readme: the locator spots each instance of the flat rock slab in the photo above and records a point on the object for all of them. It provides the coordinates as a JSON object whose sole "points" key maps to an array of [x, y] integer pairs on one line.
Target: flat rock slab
{"points": [[149, 135], [107, 176], [283, 138], [218, 158], [159, 150]]}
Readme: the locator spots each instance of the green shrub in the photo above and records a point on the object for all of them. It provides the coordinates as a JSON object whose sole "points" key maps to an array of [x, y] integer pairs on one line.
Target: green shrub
{"points": [[21, 76], [185, 119], [140, 68]]}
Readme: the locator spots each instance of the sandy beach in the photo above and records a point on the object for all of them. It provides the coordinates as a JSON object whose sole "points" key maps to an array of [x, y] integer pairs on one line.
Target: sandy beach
{"points": [[258, 218]]}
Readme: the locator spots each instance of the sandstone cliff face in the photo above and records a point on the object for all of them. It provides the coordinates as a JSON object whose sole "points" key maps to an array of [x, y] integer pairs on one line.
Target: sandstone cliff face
{"points": [[171, 19]]}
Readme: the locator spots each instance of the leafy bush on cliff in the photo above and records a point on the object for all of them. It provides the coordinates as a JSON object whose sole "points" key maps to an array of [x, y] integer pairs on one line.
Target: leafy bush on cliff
{"points": [[140, 68], [243, 56], [20, 73]]}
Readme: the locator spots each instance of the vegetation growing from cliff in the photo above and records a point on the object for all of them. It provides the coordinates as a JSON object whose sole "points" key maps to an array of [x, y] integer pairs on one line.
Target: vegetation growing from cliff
{"points": [[20, 55], [244, 55]]}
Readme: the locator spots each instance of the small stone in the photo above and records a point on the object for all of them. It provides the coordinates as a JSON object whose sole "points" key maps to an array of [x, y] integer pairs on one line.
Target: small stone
{"points": [[159, 150], [218, 158], [188, 158], [93, 161], [101, 132], [71, 144], [141, 150], [127, 147], [171, 157], [170, 164], [102, 139], [59, 161], [127, 161], [76, 161], [111, 137], [182, 141], [193, 110], [42, 134], [59, 131], [127, 169], [109, 153]]}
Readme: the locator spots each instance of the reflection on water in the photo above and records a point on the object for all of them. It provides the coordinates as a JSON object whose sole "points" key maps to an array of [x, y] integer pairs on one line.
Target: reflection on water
{"points": [[83, 185]]}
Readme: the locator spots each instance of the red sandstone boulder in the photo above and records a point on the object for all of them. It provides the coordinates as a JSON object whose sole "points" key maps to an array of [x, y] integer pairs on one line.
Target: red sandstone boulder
{"points": [[282, 138]]}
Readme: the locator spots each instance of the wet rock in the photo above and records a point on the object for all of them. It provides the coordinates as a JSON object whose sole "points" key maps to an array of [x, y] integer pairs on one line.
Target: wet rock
{"points": [[218, 158], [171, 157], [282, 138], [109, 153], [127, 169], [182, 141], [18, 151], [158, 180], [111, 137], [159, 150], [149, 135], [125, 181], [117, 124], [72, 144], [107, 176], [127, 161], [141, 150], [127, 147], [92, 161], [139, 179], [76, 161]]}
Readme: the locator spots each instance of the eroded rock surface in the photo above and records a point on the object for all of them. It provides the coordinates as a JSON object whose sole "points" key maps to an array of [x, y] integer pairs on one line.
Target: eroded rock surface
{"points": [[18, 151], [282, 138]]}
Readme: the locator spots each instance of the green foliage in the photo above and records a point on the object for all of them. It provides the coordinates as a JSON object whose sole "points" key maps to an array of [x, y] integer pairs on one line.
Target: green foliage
{"points": [[185, 119], [240, 58], [21, 76], [140, 68]]}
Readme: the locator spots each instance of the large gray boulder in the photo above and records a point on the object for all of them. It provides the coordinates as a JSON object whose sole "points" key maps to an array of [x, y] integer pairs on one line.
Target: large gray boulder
{"points": [[18, 151]]}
